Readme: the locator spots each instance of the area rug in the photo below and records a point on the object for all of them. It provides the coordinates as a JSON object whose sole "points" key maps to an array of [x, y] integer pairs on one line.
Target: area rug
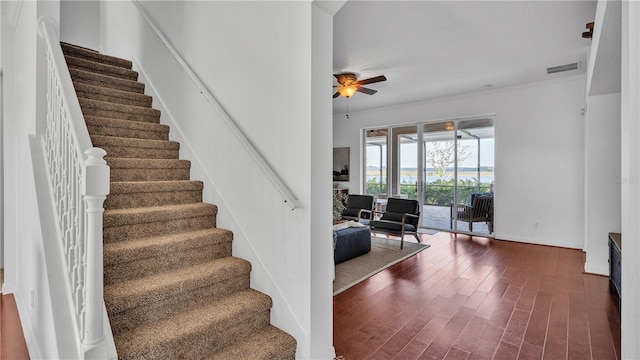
{"points": [[384, 253]]}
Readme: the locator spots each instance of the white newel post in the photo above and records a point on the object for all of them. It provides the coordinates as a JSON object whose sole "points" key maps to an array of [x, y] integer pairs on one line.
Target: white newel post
{"points": [[94, 191]]}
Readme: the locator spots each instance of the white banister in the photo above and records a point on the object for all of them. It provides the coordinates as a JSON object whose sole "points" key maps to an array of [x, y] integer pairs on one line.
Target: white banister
{"points": [[275, 179], [79, 187]]}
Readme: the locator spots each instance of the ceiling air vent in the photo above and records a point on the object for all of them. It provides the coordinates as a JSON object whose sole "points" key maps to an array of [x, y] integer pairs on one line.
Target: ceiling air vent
{"points": [[561, 68]]}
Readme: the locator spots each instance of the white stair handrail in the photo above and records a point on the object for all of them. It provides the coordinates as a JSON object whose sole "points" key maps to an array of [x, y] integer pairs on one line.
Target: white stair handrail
{"points": [[79, 179], [275, 179]]}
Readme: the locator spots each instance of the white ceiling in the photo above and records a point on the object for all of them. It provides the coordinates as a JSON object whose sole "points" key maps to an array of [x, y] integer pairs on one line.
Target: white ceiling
{"points": [[434, 49]]}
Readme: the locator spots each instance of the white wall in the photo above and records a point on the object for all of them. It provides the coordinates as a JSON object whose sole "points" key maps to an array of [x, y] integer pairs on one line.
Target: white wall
{"points": [[9, 17], [630, 134], [539, 150], [602, 179], [80, 22], [256, 59]]}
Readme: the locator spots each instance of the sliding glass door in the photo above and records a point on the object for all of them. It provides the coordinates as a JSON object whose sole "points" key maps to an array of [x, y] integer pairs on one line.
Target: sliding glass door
{"points": [[475, 168], [447, 166], [375, 162], [439, 158]]}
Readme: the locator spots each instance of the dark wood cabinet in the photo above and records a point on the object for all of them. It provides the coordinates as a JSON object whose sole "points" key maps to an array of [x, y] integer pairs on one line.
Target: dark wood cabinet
{"points": [[615, 257]]}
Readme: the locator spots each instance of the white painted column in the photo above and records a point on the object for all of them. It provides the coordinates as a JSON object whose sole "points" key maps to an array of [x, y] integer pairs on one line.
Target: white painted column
{"points": [[321, 297], [630, 180]]}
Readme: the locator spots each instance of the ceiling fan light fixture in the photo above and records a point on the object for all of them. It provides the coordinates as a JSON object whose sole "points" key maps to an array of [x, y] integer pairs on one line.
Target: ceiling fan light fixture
{"points": [[349, 84], [347, 91]]}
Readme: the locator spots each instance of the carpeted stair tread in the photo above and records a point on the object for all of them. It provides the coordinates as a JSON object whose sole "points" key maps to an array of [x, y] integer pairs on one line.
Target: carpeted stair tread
{"points": [[132, 194], [136, 148], [125, 163], [132, 259], [89, 91], [133, 223], [118, 111], [128, 187], [120, 217], [78, 51], [194, 333], [127, 251], [137, 143], [126, 295], [266, 344], [100, 68], [126, 128], [86, 77], [129, 169]]}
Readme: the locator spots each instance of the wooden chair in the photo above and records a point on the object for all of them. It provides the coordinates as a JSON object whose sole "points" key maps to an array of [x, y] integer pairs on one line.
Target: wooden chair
{"points": [[400, 217], [480, 210]]}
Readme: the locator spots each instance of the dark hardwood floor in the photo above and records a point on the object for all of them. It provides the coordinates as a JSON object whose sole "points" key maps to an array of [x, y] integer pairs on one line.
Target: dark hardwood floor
{"points": [[480, 299], [459, 299]]}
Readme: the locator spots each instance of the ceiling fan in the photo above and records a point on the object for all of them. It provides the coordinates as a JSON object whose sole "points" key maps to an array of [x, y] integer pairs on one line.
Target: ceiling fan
{"points": [[349, 84]]}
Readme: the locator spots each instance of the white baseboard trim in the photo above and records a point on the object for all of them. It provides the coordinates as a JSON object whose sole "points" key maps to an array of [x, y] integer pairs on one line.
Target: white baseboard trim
{"points": [[8, 288], [507, 237], [596, 270]]}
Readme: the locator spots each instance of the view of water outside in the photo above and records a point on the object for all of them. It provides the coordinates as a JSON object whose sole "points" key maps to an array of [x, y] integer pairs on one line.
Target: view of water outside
{"points": [[409, 173]]}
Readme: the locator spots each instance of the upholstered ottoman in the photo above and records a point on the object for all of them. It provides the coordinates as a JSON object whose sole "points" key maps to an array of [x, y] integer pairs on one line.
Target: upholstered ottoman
{"points": [[351, 242]]}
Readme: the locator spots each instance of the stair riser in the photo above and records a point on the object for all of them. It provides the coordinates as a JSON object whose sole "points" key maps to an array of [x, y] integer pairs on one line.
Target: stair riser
{"points": [[273, 342], [107, 82], [117, 111], [155, 311], [102, 141], [126, 129], [165, 262], [134, 101], [145, 199], [127, 133], [207, 341], [149, 174], [135, 231], [117, 72], [120, 115], [226, 335], [95, 56], [138, 153]]}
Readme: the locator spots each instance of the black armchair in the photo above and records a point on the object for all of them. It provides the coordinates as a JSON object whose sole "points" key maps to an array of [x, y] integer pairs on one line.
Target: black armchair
{"points": [[400, 217], [359, 208]]}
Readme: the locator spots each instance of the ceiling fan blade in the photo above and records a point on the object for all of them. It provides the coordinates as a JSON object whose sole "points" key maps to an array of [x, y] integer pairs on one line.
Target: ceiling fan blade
{"points": [[336, 95], [372, 80], [367, 90]]}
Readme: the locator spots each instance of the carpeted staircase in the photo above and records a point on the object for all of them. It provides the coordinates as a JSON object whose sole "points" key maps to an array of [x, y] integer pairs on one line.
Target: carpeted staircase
{"points": [[172, 288]]}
